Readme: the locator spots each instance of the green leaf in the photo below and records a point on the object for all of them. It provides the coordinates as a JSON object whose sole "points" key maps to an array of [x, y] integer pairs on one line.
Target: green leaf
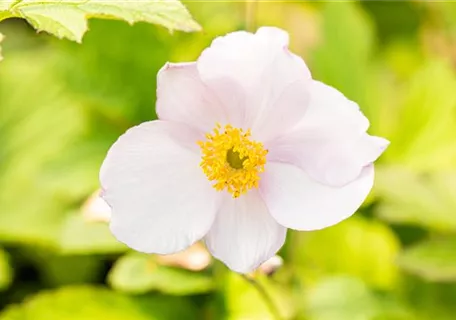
{"points": [[82, 237], [422, 121], [40, 122], [6, 271], [139, 273], [68, 18], [427, 200], [90, 303], [340, 298], [345, 298], [434, 260], [357, 247], [243, 301], [339, 60], [1, 38]]}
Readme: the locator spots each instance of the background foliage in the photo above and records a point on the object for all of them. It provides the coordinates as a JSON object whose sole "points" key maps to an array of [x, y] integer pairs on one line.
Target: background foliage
{"points": [[62, 104]]}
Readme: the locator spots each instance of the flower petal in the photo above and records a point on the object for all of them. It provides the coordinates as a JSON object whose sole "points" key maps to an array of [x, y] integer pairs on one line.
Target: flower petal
{"points": [[330, 143], [244, 234], [161, 201], [298, 202], [261, 67], [182, 97]]}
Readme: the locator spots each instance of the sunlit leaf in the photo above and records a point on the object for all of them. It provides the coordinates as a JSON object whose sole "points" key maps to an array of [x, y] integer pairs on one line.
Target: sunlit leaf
{"points": [[1, 38], [356, 247], [90, 303], [139, 273], [340, 60], [82, 237], [68, 18], [433, 260], [345, 298], [6, 270], [427, 200], [40, 122], [243, 300], [423, 135]]}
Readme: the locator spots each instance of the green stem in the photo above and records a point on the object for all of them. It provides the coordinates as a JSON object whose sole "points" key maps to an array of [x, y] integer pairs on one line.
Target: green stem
{"points": [[265, 296], [250, 15]]}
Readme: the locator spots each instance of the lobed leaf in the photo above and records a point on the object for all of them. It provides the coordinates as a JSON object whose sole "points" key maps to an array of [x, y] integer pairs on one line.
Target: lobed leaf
{"points": [[68, 18]]}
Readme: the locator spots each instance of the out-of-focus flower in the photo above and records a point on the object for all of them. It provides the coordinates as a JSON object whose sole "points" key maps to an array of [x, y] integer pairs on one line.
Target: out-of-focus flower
{"points": [[194, 258], [95, 209], [247, 145], [271, 265]]}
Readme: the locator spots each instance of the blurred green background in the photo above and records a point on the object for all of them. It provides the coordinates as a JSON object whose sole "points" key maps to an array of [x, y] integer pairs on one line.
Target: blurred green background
{"points": [[63, 104]]}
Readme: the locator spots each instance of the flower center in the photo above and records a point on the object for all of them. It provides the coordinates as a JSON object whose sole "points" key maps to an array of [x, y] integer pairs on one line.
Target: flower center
{"points": [[232, 160]]}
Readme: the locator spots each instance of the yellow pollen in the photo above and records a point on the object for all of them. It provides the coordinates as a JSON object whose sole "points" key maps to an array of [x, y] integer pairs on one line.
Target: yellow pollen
{"points": [[232, 160]]}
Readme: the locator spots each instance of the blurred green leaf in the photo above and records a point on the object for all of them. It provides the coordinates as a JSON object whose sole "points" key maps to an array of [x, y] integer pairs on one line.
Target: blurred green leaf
{"points": [[40, 122], [345, 298], [427, 200], [342, 61], [56, 270], [1, 38], [429, 300], [6, 271], [434, 260], [423, 132], [139, 273], [342, 299], [115, 82], [92, 303], [68, 19], [243, 300], [358, 247], [82, 237]]}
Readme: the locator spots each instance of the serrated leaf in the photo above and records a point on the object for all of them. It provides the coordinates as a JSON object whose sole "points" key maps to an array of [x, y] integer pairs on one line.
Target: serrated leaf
{"points": [[68, 18], [6, 271], [410, 197], [82, 237], [139, 273], [92, 303], [434, 260]]}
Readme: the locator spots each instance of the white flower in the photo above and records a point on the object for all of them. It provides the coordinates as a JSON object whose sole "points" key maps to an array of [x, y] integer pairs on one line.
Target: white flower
{"points": [[247, 145]]}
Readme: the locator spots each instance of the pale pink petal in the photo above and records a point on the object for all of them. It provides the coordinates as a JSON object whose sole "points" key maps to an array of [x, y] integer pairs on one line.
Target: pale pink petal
{"points": [[269, 80], [330, 143], [182, 97], [329, 108], [298, 202], [161, 200], [244, 234]]}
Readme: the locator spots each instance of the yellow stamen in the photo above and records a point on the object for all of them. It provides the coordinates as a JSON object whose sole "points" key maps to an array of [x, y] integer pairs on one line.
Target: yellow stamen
{"points": [[232, 160]]}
